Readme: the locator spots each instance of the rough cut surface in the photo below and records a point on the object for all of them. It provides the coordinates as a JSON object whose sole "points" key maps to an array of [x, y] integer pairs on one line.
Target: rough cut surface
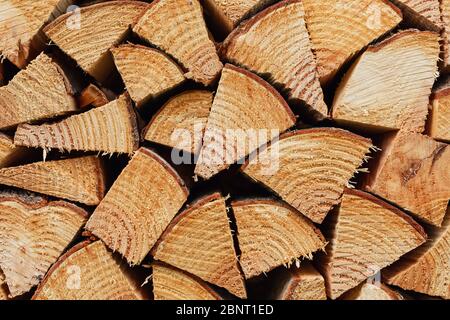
{"points": [[245, 106], [424, 13], [445, 9], [339, 29], [76, 179], [88, 271], [440, 114], [369, 291], [275, 44], [177, 27], [139, 206], [404, 68], [34, 234], [366, 235], [40, 91], [293, 167], [147, 72], [9, 153], [271, 234], [88, 37], [109, 129], [181, 121], [170, 283], [413, 173], [199, 241]]}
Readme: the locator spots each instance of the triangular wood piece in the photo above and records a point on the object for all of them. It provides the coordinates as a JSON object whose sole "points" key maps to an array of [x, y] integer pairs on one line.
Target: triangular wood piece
{"points": [[372, 292], [77, 179], [9, 153], [275, 44], [41, 91], [339, 30], [147, 72], [423, 13], [310, 168], [445, 10], [92, 96], [139, 206], [170, 283], [21, 24], [87, 35], [34, 234], [413, 173], [199, 241], [109, 129], [245, 108], [88, 271], [439, 122], [366, 235], [271, 234], [181, 121], [426, 269], [177, 27], [404, 68]]}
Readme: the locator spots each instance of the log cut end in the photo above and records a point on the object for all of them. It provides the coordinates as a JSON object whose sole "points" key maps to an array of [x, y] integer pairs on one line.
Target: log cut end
{"points": [[372, 292], [445, 10], [439, 125], [423, 13], [9, 153]]}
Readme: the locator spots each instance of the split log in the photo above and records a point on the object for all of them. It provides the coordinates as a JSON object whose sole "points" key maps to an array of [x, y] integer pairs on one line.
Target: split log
{"points": [[340, 29], [199, 241], [88, 271], [271, 234], [147, 72], [21, 24], [41, 91], [34, 234], [178, 28], [366, 235], [413, 173], [445, 10], [304, 283], [139, 206], [439, 122], [275, 43], [404, 68], [246, 114], [170, 283], [77, 179], [109, 129], [9, 153], [181, 121], [87, 36], [92, 96], [423, 13], [310, 168], [426, 269], [369, 291]]}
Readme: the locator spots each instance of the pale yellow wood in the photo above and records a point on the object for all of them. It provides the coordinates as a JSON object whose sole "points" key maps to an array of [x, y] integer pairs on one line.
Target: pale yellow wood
{"points": [[245, 107], [40, 91], [389, 86], [34, 234], [423, 13], [445, 10], [139, 206], [177, 27], [440, 114], [199, 241], [370, 291], [88, 272]]}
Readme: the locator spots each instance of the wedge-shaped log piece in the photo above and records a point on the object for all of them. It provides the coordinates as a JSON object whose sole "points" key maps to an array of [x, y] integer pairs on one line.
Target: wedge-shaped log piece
{"points": [[439, 125], [310, 168], [181, 121], [147, 72], [177, 27], [92, 96], [272, 234], [76, 179], [139, 206], [88, 271], [366, 235], [426, 269], [170, 283], [275, 43], [246, 114], [40, 91], [34, 234], [199, 241], [9, 153], [87, 35], [423, 13], [21, 23], [109, 129], [413, 173], [340, 29], [389, 86], [445, 9], [370, 291]]}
